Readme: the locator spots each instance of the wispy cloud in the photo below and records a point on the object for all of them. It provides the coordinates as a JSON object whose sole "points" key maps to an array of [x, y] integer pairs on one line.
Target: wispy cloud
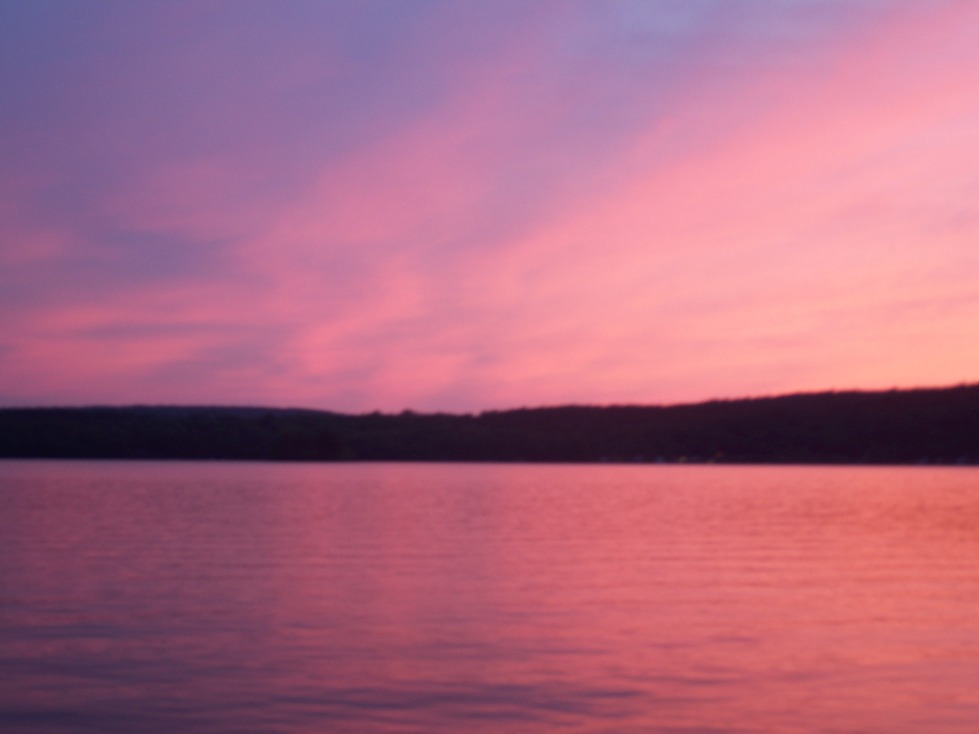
{"points": [[460, 206]]}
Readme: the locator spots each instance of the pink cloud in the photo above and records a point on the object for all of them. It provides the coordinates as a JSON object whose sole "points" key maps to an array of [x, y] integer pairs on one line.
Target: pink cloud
{"points": [[759, 227]]}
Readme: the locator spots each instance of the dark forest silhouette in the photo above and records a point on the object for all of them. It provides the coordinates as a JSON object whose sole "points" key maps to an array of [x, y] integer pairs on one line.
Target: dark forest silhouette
{"points": [[892, 427]]}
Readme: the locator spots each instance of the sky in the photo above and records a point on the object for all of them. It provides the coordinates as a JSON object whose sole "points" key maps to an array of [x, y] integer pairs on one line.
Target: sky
{"points": [[459, 206]]}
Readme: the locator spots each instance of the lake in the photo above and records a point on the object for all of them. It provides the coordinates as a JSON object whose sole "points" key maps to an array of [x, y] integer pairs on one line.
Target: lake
{"points": [[394, 598]]}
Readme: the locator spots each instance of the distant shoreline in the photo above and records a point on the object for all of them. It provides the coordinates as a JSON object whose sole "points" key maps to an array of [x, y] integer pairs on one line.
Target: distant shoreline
{"points": [[903, 427]]}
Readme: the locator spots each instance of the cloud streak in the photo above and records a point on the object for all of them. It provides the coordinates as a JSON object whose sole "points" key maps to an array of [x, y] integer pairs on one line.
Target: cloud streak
{"points": [[449, 206]]}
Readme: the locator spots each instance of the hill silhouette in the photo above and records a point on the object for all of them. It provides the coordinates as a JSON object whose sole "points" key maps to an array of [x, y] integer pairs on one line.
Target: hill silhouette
{"points": [[884, 427]]}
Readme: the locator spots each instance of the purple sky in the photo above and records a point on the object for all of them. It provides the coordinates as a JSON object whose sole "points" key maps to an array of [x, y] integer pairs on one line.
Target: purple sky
{"points": [[468, 205]]}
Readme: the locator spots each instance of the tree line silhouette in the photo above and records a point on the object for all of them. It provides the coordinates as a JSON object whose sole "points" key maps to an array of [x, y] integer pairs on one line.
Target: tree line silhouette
{"points": [[883, 427]]}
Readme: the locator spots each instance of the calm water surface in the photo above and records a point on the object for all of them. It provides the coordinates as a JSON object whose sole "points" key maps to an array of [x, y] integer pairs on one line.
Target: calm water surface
{"points": [[389, 598]]}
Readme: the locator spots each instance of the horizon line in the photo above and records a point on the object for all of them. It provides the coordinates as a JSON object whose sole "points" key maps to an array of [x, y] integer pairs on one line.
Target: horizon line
{"points": [[738, 399]]}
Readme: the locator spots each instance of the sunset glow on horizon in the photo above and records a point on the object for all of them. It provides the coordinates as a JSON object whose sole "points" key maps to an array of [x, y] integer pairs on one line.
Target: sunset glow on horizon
{"points": [[461, 206]]}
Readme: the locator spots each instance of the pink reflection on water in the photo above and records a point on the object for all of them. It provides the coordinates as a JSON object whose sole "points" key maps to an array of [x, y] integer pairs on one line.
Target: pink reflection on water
{"points": [[403, 598]]}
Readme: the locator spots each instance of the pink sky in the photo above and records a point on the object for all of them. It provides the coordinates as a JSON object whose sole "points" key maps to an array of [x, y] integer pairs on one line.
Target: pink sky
{"points": [[465, 206]]}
